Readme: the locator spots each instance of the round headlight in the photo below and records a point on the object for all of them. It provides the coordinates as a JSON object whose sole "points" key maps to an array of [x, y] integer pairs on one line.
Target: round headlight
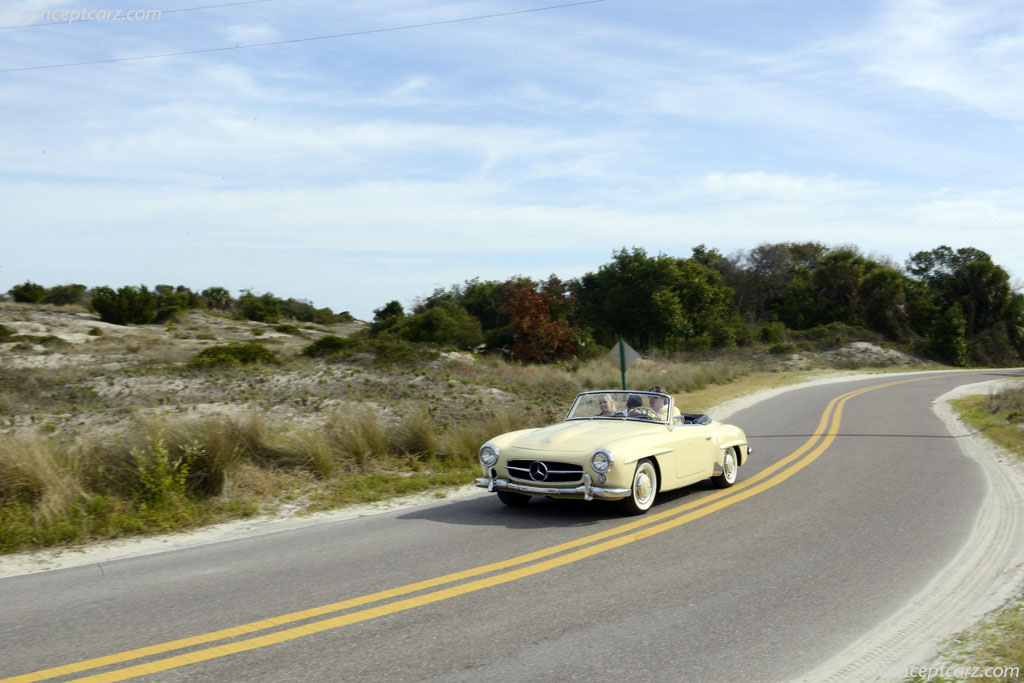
{"points": [[601, 461], [488, 455]]}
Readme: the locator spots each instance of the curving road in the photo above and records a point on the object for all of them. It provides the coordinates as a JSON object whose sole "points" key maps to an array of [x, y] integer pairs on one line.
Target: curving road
{"points": [[856, 499]]}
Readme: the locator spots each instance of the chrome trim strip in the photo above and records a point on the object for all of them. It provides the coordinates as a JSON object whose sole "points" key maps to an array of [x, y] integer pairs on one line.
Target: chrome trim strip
{"points": [[587, 490]]}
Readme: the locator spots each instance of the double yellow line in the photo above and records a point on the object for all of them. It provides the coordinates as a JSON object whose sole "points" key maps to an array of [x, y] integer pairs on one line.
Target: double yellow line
{"points": [[458, 583]]}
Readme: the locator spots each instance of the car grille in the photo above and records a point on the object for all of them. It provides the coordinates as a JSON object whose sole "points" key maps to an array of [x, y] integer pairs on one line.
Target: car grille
{"points": [[545, 471]]}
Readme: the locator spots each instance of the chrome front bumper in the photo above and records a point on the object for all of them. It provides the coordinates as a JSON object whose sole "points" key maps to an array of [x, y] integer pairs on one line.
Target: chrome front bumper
{"points": [[586, 490]]}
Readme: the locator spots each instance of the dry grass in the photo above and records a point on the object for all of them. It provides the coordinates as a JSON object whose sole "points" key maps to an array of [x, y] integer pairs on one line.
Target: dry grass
{"points": [[164, 473], [357, 437], [415, 436], [37, 471]]}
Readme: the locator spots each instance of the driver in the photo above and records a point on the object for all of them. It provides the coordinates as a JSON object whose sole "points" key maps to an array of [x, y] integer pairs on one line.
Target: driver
{"points": [[635, 407]]}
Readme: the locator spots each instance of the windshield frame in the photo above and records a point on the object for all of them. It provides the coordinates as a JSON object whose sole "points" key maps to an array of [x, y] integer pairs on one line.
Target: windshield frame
{"points": [[586, 405]]}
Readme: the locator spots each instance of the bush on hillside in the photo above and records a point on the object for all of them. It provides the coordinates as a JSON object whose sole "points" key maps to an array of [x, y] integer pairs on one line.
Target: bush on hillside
{"points": [[27, 293], [330, 345], [127, 306], [234, 354]]}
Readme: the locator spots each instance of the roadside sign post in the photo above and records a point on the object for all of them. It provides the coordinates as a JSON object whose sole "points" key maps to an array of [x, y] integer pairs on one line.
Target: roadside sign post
{"points": [[626, 356]]}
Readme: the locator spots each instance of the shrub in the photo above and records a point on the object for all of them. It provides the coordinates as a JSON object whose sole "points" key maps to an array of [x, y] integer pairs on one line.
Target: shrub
{"points": [[833, 335], [781, 349], [49, 340], [396, 352], [330, 345], [181, 297], [168, 314], [265, 308], [127, 306], [773, 333], [65, 295], [156, 473], [304, 311], [445, 325], [236, 353], [27, 292]]}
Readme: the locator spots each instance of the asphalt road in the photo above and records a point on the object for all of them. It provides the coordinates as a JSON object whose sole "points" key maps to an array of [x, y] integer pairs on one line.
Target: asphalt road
{"points": [[846, 510]]}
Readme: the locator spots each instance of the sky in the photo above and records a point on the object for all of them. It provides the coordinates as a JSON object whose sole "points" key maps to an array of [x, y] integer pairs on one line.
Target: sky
{"points": [[420, 145]]}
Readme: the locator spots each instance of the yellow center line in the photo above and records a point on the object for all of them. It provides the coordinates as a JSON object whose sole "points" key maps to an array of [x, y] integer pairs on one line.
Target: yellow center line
{"points": [[674, 517]]}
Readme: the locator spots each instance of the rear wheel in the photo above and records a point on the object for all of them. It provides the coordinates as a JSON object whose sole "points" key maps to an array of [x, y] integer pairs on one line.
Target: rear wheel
{"points": [[644, 489], [513, 499]]}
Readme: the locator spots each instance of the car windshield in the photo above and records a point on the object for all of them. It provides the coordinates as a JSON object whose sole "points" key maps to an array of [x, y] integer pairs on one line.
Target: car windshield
{"points": [[620, 405]]}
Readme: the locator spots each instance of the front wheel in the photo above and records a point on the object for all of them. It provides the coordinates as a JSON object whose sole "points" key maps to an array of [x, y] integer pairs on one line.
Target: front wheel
{"points": [[513, 499], [730, 469], [643, 490]]}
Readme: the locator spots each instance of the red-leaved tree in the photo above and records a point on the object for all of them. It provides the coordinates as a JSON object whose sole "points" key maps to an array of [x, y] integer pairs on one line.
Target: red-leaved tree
{"points": [[539, 337]]}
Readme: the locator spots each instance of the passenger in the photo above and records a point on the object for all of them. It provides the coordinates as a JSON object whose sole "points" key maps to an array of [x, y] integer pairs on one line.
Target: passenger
{"points": [[659, 404], [606, 404]]}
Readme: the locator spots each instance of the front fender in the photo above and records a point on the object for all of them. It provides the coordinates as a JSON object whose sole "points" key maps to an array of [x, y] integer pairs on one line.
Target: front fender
{"points": [[740, 444]]}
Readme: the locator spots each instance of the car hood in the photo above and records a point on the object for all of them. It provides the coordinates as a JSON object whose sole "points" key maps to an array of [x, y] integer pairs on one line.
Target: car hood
{"points": [[583, 436]]}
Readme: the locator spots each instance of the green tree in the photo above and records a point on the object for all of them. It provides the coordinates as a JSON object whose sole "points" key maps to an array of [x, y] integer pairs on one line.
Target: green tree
{"points": [[948, 336], [883, 302], [967, 277], [218, 298], [656, 301], [763, 278]]}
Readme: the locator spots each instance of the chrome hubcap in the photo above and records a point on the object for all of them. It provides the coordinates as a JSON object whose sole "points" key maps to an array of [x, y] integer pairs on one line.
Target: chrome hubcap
{"points": [[643, 487], [729, 466]]}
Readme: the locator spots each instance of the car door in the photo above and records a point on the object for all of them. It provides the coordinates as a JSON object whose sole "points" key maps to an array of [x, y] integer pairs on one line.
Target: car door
{"points": [[695, 450]]}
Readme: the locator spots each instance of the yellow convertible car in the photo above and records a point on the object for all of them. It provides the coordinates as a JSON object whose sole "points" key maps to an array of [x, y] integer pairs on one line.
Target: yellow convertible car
{"points": [[613, 445]]}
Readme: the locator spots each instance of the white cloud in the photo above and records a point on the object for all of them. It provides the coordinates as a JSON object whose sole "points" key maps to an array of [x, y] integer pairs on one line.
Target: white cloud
{"points": [[244, 34], [973, 215], [972, 53], [781, 187]]}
